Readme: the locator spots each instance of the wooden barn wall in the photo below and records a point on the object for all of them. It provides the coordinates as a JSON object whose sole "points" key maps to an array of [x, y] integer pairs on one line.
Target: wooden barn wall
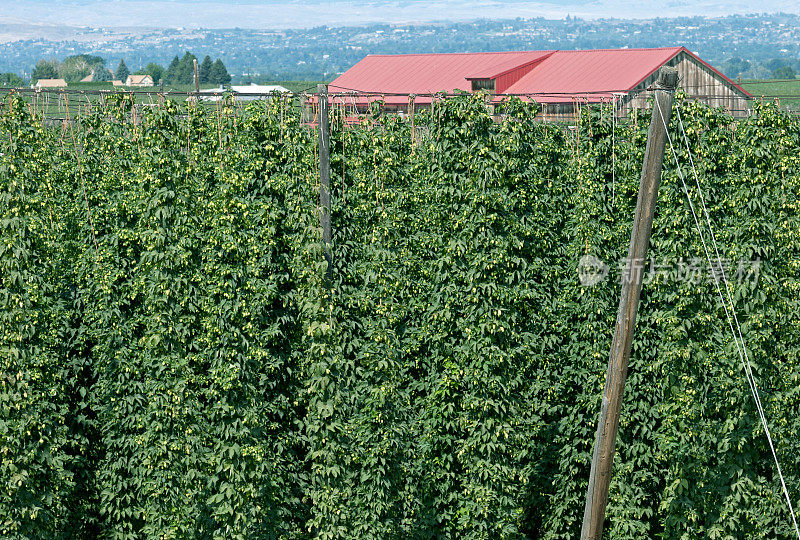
{"points": [[699, 82]]}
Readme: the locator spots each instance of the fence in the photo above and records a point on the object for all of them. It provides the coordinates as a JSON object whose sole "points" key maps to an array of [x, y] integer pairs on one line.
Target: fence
{"points": [[62, 105]]}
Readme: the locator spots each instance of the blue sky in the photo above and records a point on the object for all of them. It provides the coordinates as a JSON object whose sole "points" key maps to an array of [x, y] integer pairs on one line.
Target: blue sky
{"points": [[306, 13]]}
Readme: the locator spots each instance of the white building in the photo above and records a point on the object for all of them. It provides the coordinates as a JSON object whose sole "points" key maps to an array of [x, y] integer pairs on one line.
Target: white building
{"points": [[139, 80], [243, 93], [51, 83]]}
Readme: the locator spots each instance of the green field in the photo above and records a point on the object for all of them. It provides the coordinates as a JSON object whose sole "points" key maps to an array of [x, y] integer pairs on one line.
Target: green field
{"points": [[292, 86], [775, 89], [183, 354], [51, 103]]}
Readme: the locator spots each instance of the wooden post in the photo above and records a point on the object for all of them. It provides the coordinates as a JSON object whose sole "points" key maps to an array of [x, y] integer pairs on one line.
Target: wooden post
{"points": [[411, 110], [325, 174], [606, 437], [196, 79]]}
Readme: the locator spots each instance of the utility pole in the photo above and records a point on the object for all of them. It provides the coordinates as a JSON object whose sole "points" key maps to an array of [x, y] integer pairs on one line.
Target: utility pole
{"points": [[606, 437], [325, 174], [196, 78]]}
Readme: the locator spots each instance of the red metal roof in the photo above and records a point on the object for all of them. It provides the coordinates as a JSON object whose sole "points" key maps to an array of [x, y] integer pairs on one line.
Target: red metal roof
{"points": [[591, 75], [494, 70], [554, 76], [425, 73]]}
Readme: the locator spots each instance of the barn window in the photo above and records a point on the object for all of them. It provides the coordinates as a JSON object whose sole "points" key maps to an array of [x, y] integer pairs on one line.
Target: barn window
{"points": [[482, 84]]}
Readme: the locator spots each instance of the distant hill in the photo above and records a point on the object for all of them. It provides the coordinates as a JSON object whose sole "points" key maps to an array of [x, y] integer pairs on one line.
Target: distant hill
{"points": [[282, 14], [753, 46]]}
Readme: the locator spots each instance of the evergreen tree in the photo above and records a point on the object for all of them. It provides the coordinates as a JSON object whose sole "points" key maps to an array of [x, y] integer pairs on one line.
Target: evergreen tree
{"points": [[122, 71], [173, 71], [101, 73], [205, 70], [219, 74], [186, 69]]}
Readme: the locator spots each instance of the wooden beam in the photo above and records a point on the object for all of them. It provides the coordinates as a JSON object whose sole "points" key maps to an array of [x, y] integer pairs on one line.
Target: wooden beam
{"points": [[325, 174], [606, 436], [196, 78]]}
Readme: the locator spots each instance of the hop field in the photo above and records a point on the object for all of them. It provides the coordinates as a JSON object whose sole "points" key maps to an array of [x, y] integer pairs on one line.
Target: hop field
{"points": [[174, 362]]}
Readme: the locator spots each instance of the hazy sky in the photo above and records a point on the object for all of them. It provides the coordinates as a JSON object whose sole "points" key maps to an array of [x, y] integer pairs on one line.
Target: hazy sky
{"points": [[307, 13]]}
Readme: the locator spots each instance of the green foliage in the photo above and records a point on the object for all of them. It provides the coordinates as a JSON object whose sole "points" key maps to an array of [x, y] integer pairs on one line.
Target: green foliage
{"points": [[122, 72], [72, 69], [156, 72], [783, 72], [181, 70], [173, 69], [102, 74], [205, 70], [11, 79], [175, 363], [218, 73], [76, 67], [45, 69]]}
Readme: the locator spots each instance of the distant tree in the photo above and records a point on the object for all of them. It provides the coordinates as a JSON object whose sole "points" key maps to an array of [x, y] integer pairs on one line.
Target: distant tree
{"points": [[102, 73], [45, 69], [173, 71], [735, 67], [776, 63], [156, 72], [219, 74], [186, 69], [122, 71], [78, 66], [205, 69], [785, 72], [10, 79]]}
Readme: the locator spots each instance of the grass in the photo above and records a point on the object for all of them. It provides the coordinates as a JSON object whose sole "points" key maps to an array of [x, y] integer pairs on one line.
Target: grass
{"points": [[775, 89]]}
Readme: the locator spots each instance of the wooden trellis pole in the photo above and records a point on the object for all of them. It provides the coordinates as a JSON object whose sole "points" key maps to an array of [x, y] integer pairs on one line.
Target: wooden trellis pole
{"points": [[606, 437], [325, 174]]}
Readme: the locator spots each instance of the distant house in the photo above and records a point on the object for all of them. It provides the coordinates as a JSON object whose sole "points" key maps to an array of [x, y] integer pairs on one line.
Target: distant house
{"points": [[139, 80], [561, 81], [51, 83], [116, 82]]}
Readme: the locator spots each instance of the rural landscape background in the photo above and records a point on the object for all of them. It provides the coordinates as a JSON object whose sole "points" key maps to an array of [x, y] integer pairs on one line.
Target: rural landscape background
{"points": [[261, 45]]}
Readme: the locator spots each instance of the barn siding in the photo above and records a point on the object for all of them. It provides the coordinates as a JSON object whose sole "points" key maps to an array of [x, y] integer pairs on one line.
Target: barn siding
{"points": [[699, 82]]}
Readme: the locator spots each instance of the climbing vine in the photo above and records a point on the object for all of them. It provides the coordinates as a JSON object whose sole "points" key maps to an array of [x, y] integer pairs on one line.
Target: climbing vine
{"points": [[176, 364]]}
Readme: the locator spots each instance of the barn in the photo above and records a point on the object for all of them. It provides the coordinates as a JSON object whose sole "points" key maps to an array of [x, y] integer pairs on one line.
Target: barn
{"points": [[561, 81]]}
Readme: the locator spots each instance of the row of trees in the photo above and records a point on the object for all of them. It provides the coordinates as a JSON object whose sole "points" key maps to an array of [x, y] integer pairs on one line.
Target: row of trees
{"points": [[72, 69], [777, 68], [10, 79], [180, 70]]}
